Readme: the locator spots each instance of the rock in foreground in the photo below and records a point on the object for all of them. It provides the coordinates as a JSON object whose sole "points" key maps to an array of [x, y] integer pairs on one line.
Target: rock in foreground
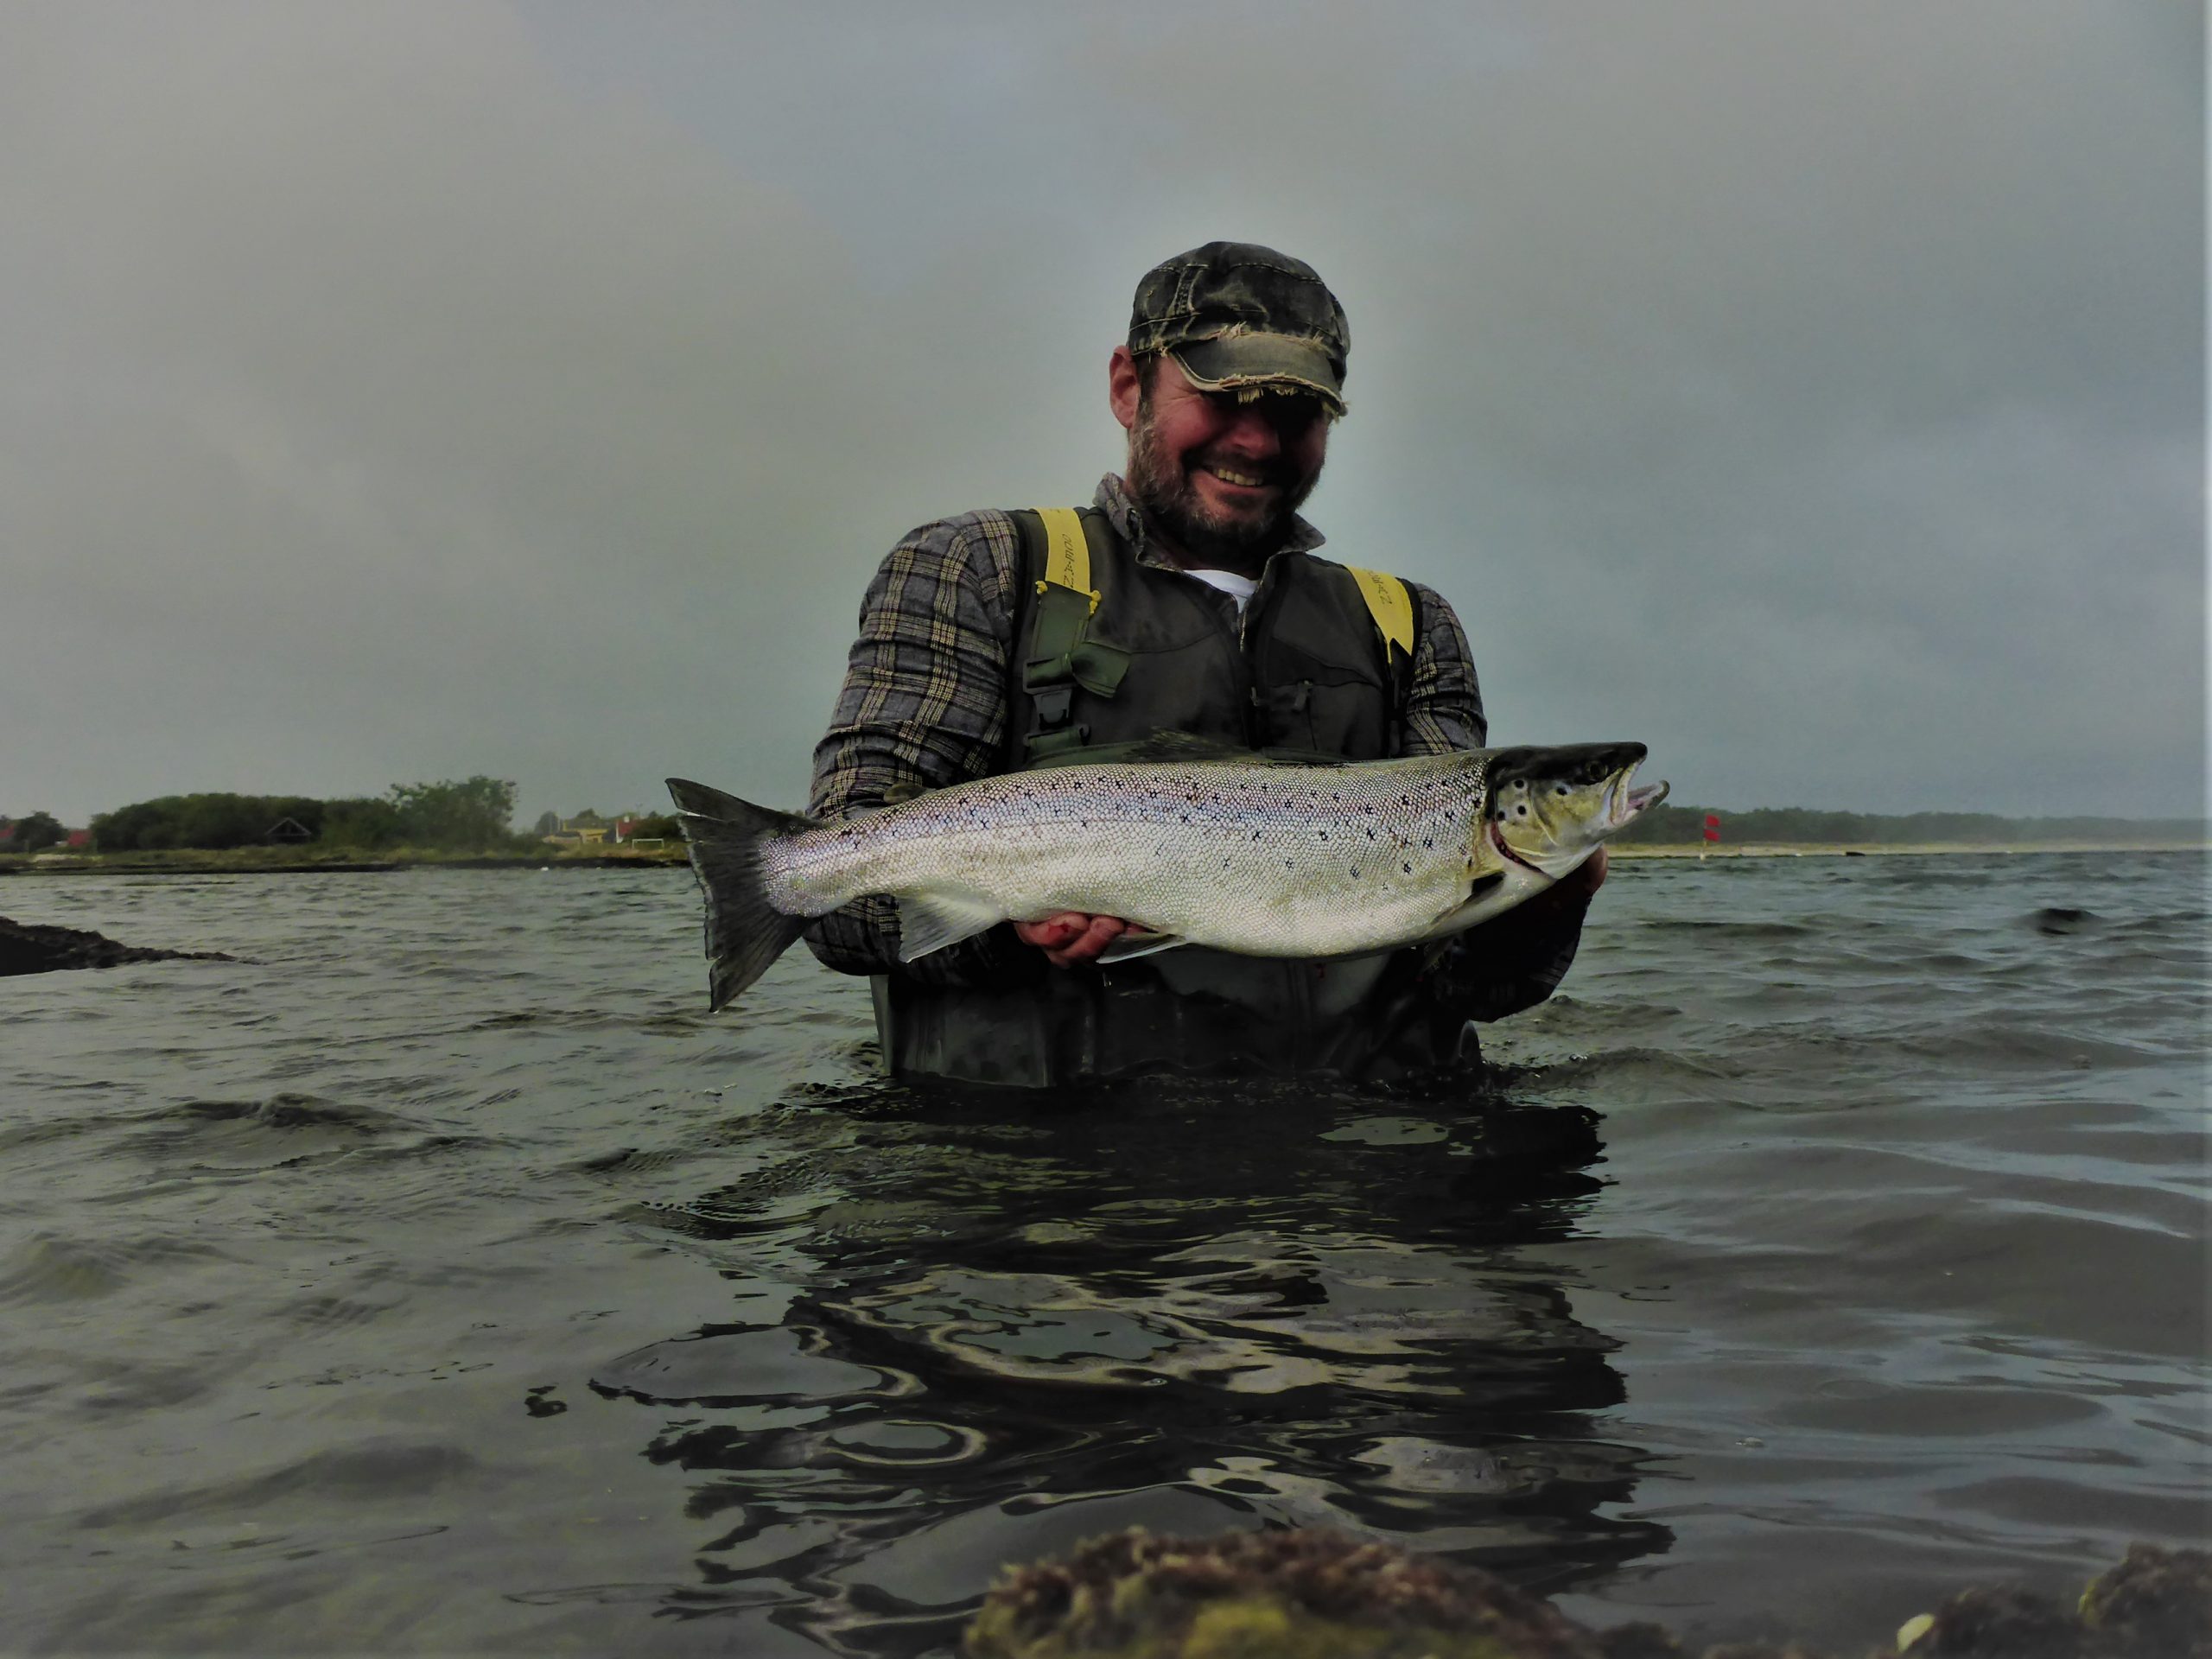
{"points": [[1321, 1595], [25, 949]]}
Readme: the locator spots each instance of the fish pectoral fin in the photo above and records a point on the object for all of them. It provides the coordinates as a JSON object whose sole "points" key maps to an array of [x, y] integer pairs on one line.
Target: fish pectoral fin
{"points": [[1481, 889], [929, 921], [1488, 894], [1140, 942]]}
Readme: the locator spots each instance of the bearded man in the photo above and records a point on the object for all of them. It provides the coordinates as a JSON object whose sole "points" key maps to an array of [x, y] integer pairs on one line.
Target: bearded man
{"points": [[1187, 598]]}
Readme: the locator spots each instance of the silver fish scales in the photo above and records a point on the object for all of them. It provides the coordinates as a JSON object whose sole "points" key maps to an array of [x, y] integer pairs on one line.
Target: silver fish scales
{"points": [[1233, 852]]}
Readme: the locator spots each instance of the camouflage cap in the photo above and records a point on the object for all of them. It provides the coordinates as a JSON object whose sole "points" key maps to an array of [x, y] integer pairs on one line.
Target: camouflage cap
{"points": [[1235, 314]]}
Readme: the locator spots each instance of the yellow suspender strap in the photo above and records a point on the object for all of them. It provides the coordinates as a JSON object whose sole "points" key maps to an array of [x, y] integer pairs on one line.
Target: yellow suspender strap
{"points": [[1390, 604], [1067, 553], [1067, 565]]}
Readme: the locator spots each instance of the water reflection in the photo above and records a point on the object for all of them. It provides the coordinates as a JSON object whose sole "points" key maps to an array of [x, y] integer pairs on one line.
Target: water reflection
{"points": [[1007, 1326]]}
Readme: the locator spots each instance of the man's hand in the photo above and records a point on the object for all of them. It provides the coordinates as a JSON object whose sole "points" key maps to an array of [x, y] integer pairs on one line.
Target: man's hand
{"points": [[1585, 878], [1505, 936], [1068, 937], [1571, 891]]}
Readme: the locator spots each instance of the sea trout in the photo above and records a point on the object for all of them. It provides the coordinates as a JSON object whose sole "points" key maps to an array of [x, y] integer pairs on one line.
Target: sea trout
{"points": [[1233, 851]]}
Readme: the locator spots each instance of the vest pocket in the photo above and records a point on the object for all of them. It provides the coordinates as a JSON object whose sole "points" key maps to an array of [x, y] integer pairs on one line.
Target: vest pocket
{"points": [[1350, 717]]}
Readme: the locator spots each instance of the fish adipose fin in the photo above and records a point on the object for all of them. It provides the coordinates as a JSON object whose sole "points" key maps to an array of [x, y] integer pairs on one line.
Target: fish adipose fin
{"points": [[745, 932], [1137, 943], [929, 921]]}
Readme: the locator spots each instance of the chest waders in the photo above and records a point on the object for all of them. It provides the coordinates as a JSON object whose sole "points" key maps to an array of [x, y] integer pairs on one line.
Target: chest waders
{"points": [[1108, 652]]}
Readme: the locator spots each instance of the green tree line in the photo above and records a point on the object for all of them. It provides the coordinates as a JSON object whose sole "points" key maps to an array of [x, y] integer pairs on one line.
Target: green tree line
{"points": [[35, 832], [469, 814], [1770, 825]]}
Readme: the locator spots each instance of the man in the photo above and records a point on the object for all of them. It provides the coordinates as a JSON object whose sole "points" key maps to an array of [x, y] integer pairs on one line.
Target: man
{"points": [[1202, 610]]}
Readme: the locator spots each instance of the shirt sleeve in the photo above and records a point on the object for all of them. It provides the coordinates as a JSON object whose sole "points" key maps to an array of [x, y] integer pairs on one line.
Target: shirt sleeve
{"points": [[1444, 703], [1516, 961], [923, 706]]}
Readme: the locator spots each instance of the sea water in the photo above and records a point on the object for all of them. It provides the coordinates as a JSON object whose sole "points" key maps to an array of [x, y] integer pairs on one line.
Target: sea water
{"points": [[438, 1276]]}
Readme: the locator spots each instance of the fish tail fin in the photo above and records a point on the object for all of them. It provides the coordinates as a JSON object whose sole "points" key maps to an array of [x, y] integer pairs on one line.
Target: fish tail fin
{"points": [[745, 931]]}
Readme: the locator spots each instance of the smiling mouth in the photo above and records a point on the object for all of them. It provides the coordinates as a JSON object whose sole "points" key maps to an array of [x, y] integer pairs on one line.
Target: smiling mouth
{"points": [[1242, 481]]}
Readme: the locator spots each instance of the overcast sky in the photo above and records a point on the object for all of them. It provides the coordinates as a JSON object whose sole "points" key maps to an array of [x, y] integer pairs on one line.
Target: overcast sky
{"points": [[406, 392]]}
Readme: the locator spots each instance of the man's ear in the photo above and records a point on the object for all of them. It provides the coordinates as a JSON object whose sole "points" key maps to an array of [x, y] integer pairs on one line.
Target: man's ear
{"points": [[1124, 386]]}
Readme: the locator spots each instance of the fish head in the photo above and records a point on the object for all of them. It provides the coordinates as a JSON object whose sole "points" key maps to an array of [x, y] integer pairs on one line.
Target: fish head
{"points": [[1549, 807]]}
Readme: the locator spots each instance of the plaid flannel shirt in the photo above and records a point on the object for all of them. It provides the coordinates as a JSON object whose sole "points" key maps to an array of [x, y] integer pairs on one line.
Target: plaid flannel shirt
{"points": [[925, 704]]}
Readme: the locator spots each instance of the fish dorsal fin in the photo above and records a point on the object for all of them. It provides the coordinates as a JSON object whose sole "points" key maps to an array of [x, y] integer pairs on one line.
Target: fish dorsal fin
{"points": [[929, 921], [1165, 747]]}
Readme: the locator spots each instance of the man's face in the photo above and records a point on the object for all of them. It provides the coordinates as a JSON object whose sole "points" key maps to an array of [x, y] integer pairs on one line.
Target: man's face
{"points": [[1219, 478]]}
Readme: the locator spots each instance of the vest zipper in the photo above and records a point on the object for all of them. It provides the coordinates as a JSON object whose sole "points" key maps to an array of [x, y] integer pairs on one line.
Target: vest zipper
{"points": [[1265, 593]]}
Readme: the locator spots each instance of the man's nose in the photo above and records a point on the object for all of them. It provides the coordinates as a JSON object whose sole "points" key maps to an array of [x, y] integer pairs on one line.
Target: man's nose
{"points": [[1251, 433]]}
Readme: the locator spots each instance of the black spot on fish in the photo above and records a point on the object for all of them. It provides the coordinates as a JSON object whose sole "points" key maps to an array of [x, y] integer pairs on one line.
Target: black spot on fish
{"points": [[1407, 868]]}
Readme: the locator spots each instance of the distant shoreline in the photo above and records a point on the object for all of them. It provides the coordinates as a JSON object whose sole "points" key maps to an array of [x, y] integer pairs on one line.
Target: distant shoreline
{"points": [[1875, 850], [263, 862]]}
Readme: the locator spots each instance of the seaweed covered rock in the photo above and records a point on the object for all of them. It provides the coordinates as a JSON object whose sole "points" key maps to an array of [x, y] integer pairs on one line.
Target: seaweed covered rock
{"points": [[1304, 1594], [1978, 1622], [2156, 1601], [1314, 1594], [26, 949], [2157, 1604]]}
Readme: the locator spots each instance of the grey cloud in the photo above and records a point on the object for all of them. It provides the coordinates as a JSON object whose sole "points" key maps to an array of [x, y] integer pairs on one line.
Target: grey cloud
{"points": [[410, 391]]}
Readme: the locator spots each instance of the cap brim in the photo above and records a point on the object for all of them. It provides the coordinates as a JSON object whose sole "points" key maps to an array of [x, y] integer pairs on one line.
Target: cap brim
{"points": [[1229, 361]]}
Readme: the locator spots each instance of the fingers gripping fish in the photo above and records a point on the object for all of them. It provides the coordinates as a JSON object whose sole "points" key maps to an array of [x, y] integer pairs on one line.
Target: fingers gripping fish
{"points": [[1237, 852]]}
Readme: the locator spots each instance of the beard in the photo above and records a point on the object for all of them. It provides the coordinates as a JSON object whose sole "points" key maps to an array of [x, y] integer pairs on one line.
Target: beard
{"points": [[1169, 499]]}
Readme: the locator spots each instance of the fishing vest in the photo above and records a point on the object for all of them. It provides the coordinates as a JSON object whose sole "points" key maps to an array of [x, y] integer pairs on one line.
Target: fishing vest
{"points": [[1107, 652]]}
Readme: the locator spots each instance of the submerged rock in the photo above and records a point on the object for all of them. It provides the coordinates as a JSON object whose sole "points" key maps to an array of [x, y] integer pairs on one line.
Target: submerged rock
{"points": [[2157, 1604], [2155, 1601], [1314, 1594], [25, 949], [1303, 1594]]}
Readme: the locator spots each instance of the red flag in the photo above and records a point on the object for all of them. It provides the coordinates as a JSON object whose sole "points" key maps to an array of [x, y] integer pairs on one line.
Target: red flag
{"points": [[1712, 826]]}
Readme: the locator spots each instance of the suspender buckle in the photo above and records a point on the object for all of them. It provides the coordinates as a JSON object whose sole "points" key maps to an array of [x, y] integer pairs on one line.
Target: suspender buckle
{"points": [[1054, 703]]}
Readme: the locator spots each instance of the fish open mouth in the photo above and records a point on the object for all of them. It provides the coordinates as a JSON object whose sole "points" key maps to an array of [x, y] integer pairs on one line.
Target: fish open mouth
{"points": [[1637, 802], [1624, 804]]}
